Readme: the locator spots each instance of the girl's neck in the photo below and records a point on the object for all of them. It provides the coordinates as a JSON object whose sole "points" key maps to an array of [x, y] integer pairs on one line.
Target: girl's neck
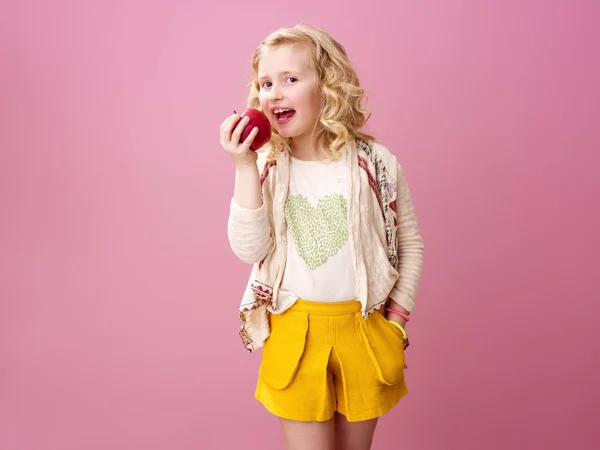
{"points": [[304, 149]]}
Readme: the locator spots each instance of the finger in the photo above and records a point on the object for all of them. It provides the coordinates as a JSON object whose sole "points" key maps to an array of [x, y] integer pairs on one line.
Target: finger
{"points": [[232, 121], [226, 130], [227, 119], [223, 132], [248, 142], [225, 135], [229, 127], [239, 129]]}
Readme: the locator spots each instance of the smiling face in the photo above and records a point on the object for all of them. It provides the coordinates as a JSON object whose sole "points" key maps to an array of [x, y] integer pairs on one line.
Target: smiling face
{"points": [[289, 92]]}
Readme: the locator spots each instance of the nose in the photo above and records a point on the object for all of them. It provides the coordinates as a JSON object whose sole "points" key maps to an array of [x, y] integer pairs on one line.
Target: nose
{"points": [[275, 94]]}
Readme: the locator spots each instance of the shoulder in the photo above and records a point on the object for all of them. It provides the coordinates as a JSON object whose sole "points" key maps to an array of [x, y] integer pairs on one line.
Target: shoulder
{"points": [[380, 156]]}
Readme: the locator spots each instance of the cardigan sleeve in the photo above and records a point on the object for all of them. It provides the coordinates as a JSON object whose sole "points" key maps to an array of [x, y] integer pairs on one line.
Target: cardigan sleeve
{"points": [[410, 247], [249, 232]]}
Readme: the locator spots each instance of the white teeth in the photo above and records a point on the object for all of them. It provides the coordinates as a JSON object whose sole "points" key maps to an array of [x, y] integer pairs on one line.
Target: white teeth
{"points": [[279, 111]]}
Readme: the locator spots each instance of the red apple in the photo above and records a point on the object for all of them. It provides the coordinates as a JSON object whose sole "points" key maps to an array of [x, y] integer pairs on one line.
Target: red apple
{"points": [[257, 119]]}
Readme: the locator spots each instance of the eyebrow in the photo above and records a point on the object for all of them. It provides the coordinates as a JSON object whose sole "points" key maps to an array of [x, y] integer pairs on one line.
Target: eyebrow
{"points": [[264, 77]]}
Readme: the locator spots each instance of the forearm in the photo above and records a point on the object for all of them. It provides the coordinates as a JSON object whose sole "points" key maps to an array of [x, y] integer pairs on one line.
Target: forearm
{"points": [[396, 317], [249, 228], [410, 264], [410, 248], [247, 190]]}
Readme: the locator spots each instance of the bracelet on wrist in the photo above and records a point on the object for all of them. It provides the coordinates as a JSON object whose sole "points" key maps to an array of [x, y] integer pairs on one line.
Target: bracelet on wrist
{"points": [[398, 313], [400, 327]]}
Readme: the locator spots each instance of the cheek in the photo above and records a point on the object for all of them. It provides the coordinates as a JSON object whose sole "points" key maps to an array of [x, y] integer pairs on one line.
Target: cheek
{"points": [[311, 105], [262, 99], [310, 99], [316, 100]]}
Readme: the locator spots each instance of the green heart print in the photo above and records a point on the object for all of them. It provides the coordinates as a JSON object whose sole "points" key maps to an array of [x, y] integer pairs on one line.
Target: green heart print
{"points": [[319, 232]]}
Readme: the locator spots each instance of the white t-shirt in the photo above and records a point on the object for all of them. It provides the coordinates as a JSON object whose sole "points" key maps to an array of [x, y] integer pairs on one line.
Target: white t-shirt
{"points": [[319, 258]]}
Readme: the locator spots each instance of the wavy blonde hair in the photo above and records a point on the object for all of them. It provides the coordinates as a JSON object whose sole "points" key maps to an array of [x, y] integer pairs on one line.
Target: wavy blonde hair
{"points": [[342, 113]]}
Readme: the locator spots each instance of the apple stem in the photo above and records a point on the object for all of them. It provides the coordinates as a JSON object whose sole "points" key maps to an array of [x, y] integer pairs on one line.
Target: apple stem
{"points": [[234, 111]]}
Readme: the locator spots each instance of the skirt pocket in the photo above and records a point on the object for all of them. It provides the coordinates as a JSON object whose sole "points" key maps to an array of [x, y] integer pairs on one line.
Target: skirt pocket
{"points": [[384, 348], [283, 348]]}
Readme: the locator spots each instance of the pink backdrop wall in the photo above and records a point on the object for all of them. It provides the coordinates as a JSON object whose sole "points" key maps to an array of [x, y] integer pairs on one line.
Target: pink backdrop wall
{"points": [[114, 198]]}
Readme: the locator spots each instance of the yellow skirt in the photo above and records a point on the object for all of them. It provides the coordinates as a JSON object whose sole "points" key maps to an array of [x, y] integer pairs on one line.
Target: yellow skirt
{"points": [[324, 357]]}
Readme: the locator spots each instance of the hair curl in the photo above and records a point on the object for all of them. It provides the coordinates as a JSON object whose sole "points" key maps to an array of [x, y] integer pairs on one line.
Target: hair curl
{"points": [[342, 113]]}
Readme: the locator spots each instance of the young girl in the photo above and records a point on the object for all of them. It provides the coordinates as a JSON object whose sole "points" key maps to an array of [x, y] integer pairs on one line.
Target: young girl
{"points": [[325, 216]]}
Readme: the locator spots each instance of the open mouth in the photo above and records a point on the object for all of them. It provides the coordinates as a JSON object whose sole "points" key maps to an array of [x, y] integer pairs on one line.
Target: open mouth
{"points": [[284, 115]]}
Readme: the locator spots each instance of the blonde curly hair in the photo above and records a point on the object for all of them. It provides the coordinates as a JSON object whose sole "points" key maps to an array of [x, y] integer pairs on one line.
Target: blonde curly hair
{"points": [[342, 113]]}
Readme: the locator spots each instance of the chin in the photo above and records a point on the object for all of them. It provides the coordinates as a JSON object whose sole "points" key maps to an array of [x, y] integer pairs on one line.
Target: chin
{"points": [[286, 133]]}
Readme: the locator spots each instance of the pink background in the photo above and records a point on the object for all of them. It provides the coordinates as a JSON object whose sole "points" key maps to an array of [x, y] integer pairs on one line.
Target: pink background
{"points": [[114, 199]]}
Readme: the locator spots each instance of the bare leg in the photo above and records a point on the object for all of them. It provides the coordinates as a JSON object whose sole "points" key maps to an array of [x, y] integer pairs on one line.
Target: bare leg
{"points": [[309, 435], [353, 435]]}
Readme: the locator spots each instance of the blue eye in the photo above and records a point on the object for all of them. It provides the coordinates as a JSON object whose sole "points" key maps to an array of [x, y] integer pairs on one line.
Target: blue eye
{"points": [[293, 78], [265, 84]]}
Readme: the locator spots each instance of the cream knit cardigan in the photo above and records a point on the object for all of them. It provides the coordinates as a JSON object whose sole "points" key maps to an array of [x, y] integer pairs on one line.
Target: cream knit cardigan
{"points": [[384, 236]]}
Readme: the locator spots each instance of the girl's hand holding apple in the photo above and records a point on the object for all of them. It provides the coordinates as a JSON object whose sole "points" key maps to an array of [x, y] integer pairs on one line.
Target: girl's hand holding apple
{"points": [[230, 141], [241, 138]]}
